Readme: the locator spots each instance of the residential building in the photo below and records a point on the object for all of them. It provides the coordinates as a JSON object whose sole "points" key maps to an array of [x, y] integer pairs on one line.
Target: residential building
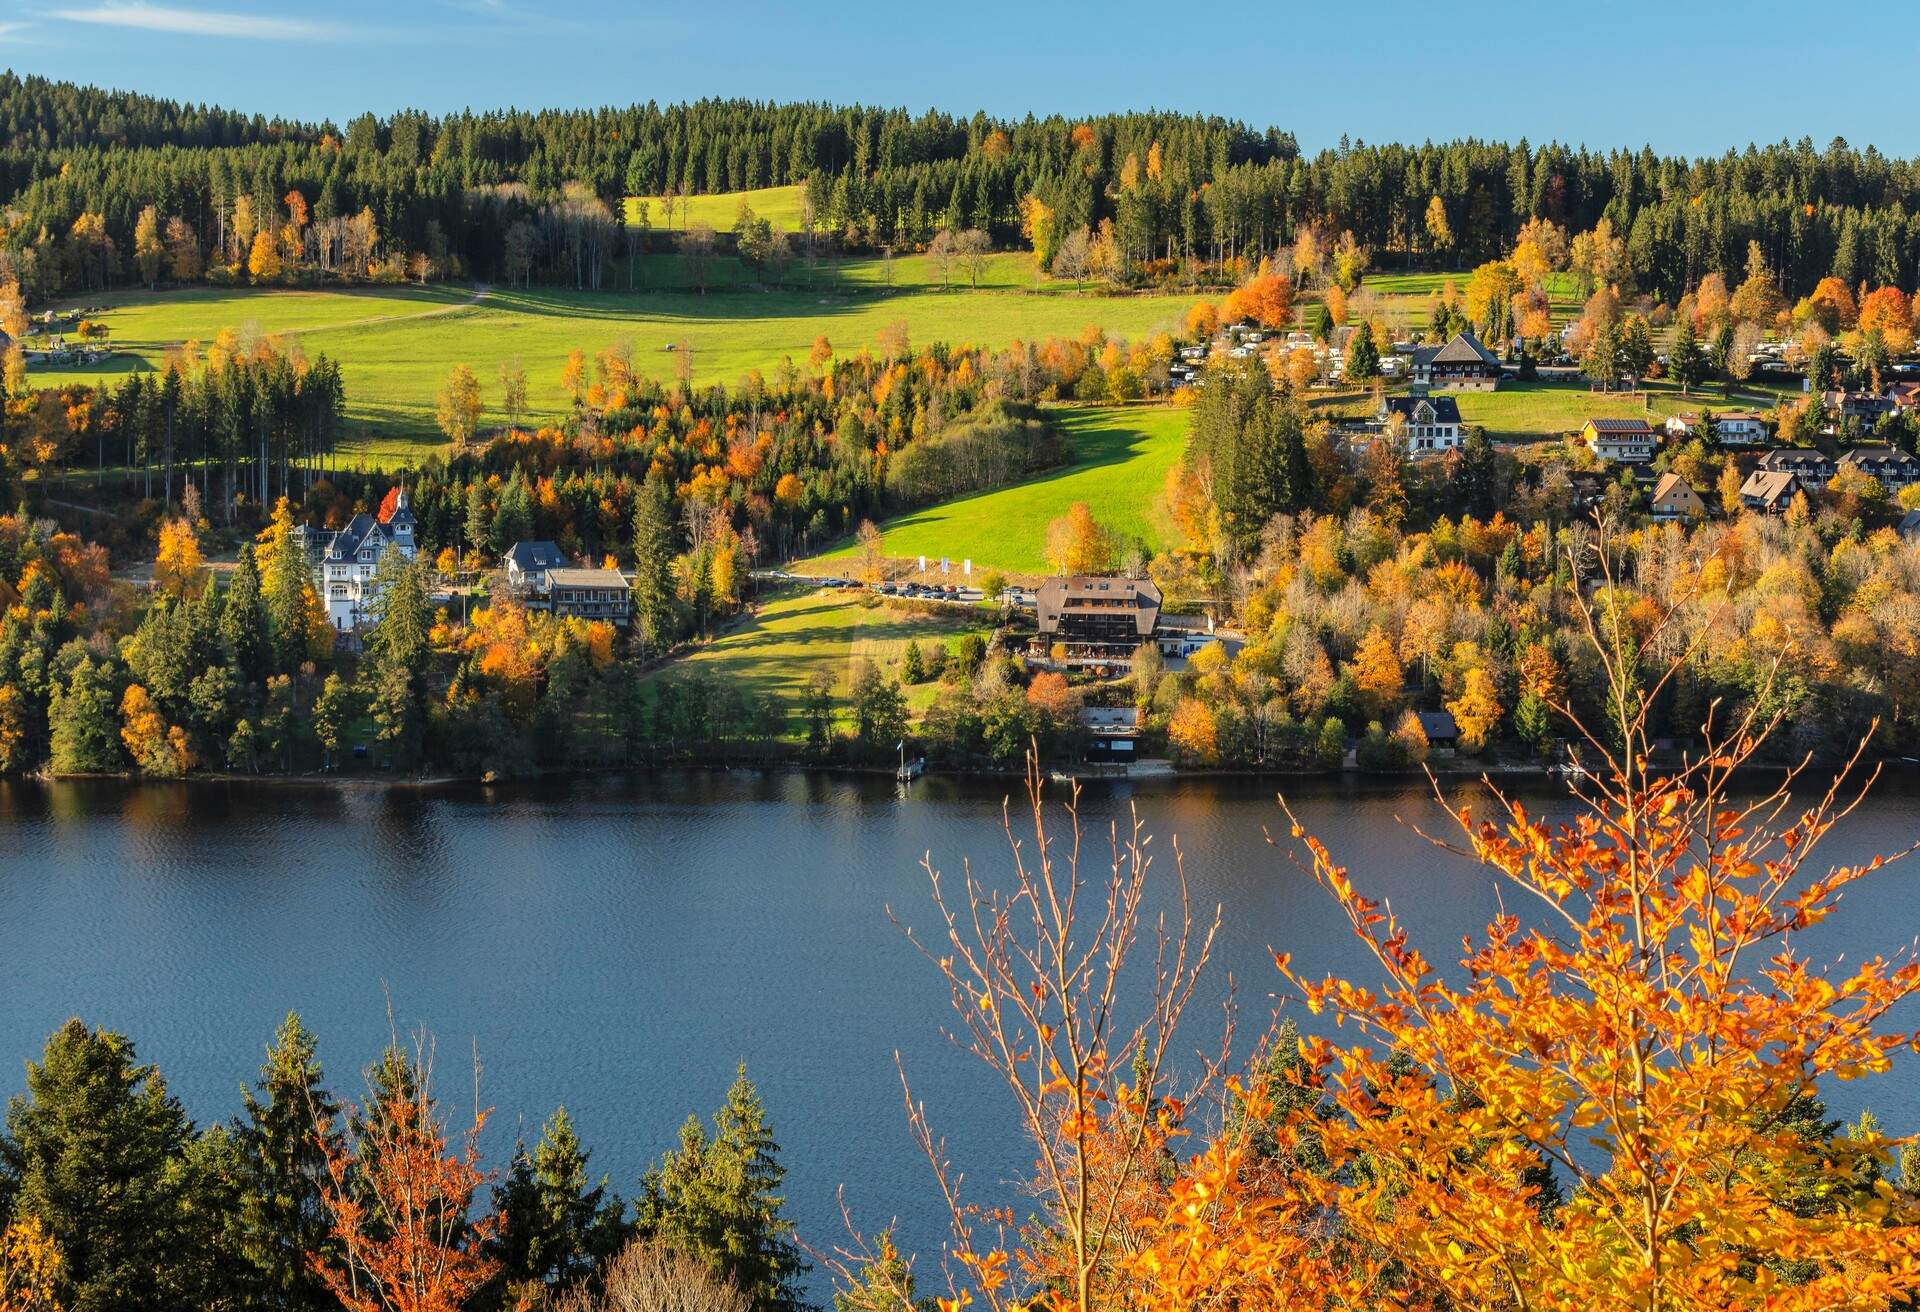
{"points": [[588, 594], [1810, 466], [1432, 422], [1864, 408], [1769, 491], [1463, 364], [1893, 467], [349, 561], [1100, 621], [1627, 440], [1740, 428], [1910, 526], [1675, 499], [1905, 395], [526, 563], [1443, 734]]}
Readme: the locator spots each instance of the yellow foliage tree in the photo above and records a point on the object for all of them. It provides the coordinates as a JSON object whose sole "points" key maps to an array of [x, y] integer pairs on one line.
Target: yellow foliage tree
{"points": [[178, 568], [263, 259], [30, 1265], [1476, 711], [1377, 673]]}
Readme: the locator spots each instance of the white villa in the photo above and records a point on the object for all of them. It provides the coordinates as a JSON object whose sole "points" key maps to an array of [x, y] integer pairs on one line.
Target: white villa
{"points": [[349, 558]]}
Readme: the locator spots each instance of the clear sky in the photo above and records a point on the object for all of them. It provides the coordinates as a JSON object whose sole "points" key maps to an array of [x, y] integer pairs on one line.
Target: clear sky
{"points": [[1687, 76]]}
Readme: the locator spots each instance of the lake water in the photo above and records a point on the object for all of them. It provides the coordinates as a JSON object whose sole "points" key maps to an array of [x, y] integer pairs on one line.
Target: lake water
{"points": [[618, 944]]}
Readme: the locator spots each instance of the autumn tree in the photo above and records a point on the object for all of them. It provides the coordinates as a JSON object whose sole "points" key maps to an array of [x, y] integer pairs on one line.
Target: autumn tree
{"points": [[458, 408], [178, 568], [398, 1198], [1377, 672], [1077, 543], [1476, 711], [1600, 1107], [263, 258], [29, 1268], [149, 254]]}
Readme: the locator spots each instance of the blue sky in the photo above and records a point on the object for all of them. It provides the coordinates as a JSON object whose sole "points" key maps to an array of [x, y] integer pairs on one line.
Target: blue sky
{"points": [[1682, 75]]}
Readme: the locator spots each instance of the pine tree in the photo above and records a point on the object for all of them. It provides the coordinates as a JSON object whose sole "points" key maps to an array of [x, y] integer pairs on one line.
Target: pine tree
{"points": [[83, 721], [284, 584], [560, 1227], [282, 1221], [717, 1200], [243, 621], [1363, 355], [97, 1150], [1687, 362], [655, 605], [513, 520]]}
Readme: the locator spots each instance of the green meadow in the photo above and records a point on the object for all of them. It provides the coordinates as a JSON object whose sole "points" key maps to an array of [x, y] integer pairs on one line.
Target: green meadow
{"points": [[396, 345], [780, 206], [790, 638], [1121, 455]]}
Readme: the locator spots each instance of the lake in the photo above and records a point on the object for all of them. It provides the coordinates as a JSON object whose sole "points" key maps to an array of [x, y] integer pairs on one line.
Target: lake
{"points": [[619, 943]]}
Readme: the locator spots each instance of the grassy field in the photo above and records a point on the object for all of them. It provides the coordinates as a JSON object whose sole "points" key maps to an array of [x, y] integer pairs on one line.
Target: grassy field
{"points": [[780, 206], [797, 635], [1121, 455], [396, 345], [1406, 294], [1532, 411]]}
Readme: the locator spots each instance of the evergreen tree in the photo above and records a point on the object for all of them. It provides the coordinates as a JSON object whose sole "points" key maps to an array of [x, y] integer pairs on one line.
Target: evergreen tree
{"points": [[83, 719], [284, 585], [560, 1226], [97, 1150], [478, 521], [513, 520], [1478, 474], [913, 668], [717, 1200], [282, 1223], [1363, 355], [1687, 362], [402, 615], [243, 621], [655, 604]]}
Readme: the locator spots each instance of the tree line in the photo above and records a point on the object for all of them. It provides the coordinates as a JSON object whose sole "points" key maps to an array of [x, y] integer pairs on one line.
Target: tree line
{"points": [[513, 195], [112, 1197]]}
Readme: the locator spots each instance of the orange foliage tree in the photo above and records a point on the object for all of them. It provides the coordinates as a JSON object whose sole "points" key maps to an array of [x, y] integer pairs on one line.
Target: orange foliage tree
{"points": [[1077, 543], [398, 1198], [1647, 1041]]}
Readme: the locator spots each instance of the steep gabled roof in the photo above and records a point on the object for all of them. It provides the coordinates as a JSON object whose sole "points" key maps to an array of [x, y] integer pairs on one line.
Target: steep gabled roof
{"points": [[1769, 486], [1465, 348], [1445, 409], [532, 557]]}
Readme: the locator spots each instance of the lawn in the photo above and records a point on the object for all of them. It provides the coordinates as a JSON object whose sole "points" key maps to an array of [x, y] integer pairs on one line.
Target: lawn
{"points": [[1521, 412], [794, 636], [397, 345], [780, 206], [1121, 455], [1406, 294]]}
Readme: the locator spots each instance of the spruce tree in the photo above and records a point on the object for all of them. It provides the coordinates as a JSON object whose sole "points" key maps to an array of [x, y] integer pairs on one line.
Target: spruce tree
{"points": [[282, 1222], [718, 1200], [1363, 355], [97, 1150], [1687, 362], [655, 605], [84, 722], [560, 1226], [243, 622]]}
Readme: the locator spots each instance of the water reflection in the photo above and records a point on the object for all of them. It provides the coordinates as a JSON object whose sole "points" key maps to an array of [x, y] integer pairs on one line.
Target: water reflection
{"points": [[617, 943]]}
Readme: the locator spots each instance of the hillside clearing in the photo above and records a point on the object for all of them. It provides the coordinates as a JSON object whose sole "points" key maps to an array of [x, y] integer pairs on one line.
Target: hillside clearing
{"points": [[1121, 455], [792, 637], [397, 345]]}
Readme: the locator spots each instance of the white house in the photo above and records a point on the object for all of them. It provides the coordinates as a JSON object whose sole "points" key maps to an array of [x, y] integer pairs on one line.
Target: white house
{"points": [[351, 557], [1432, 422]]}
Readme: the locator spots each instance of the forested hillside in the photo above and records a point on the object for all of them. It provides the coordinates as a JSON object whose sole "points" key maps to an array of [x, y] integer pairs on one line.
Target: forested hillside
{"points": [[512, 195]]}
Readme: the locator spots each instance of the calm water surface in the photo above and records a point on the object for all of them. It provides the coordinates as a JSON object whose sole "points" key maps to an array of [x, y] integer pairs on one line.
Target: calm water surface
{"points": [[619, 944]]}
